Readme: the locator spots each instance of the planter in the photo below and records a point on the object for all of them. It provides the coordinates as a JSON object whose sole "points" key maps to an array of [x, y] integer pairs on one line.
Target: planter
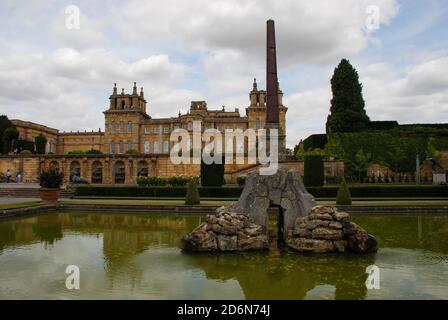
{"points": [[49, 194]]}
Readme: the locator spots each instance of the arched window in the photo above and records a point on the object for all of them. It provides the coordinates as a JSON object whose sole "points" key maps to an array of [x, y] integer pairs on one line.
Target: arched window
{"points": [[166, 146], [129, 127], [121, 126], [142, 169], [75, 170], [97, 172], [156, 146], [119, 172], [120, 147], [147, 147], [112, 127]]}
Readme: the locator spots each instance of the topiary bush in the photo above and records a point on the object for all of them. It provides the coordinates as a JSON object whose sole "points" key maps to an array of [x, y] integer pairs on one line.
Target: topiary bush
{"points": [[313, 171], [212, 175], [51, 178], [192, 197], [343, 197], [26, 152]]}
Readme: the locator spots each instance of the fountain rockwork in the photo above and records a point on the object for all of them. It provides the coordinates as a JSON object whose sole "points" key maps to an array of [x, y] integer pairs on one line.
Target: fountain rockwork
{"points": [[305, 226]]}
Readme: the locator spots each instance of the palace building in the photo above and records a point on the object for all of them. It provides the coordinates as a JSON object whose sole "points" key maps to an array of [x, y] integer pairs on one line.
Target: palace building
{"points": [[134, 144]]}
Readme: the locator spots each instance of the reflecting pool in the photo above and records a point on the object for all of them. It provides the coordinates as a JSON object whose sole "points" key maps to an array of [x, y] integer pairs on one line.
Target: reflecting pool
{"points": [[135, 256]]}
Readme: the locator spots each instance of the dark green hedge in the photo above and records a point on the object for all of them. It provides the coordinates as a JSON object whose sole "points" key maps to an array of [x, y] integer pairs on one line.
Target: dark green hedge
{"points": [[383, 125], [234, 192], [315, 141], [163, 192], [313, 171]]}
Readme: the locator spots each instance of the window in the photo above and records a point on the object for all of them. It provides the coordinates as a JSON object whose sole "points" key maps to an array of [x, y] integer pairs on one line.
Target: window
{"points": [[156, 146], [190, 126], [129, 145], [156, 129], [166, 146], [112, 147], [112, 127], [120, 147], [147, 146], [147, 130], [166, 129], [122, 126], [129, 127], [257, 124]]}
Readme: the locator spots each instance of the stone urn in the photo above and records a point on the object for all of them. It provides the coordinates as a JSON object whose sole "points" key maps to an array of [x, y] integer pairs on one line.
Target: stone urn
{"points": [[49, 194]]}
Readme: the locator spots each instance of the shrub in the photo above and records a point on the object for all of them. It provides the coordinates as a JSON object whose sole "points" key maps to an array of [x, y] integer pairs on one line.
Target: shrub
{"points": [[9, 139], [26, 152], [93, 151], [343, 198], [51, 178], [25, 145], [77, 152], [192, 197], [241, 180], [132, 151], [40, 142], [151, 181], [313, 171], [212, 175], [315, 141], [178, 181]]}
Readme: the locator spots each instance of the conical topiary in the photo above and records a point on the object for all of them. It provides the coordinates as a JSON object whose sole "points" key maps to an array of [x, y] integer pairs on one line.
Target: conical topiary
{"points": [[343, 198], [192, 197]]}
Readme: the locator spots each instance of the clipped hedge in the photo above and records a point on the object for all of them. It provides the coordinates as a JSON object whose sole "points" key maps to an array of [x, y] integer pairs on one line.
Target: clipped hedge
{"points": [[315, 141], [313, 171], [235, 192]]}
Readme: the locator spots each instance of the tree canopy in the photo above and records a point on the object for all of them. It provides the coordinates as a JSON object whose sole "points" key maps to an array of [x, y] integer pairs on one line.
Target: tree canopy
{"points": [[347, 113]]}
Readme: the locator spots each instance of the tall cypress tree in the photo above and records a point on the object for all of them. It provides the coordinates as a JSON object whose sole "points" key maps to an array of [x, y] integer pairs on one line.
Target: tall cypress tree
{"points": [[347, 113]]}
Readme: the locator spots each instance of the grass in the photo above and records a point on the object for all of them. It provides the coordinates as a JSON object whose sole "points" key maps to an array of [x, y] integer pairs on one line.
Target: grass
{"points": [[180, 203], [20, 205], [150, 198]]}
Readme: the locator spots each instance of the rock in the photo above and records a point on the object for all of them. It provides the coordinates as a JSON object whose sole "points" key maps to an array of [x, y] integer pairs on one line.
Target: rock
{"points": [[227, 230], [302, 233], [199, 241], [362, 242], [341, 216], [349, 228], [340, 245], [327, 234], [313, 224], [311, 245], [335, 225], [320, 216], [253, 231], [227, 243], [252, 243], [323, 210]]}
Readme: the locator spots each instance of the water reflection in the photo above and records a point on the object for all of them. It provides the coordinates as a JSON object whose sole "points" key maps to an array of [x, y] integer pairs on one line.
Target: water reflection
{"points": [[138, 256]]}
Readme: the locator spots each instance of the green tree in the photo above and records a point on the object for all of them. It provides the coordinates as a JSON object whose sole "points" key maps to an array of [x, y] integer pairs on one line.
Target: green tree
{"points": [[40, 142], [5, 123], [361, 163], [212, 175], [9, 139], [313, 171], [192, 197], [343, 197], [347, 113]]}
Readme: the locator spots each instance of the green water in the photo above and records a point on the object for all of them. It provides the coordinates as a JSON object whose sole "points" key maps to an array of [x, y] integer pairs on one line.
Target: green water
{"points": [[134, 256]]}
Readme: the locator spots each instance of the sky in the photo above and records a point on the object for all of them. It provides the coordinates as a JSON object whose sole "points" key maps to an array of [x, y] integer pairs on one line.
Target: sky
{"points": [[60, 73]]}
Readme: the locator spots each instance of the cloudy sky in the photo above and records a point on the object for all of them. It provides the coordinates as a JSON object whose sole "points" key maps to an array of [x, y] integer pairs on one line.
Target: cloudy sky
{"points": [[211, 50]]}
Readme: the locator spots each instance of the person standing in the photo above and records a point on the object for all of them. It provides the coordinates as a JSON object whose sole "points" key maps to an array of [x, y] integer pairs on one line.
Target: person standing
{"points": [[8, 176], [19, 177]]}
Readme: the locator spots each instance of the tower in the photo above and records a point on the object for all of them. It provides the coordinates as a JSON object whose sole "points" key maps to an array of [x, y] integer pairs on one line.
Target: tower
{"points": [[122, 120]]}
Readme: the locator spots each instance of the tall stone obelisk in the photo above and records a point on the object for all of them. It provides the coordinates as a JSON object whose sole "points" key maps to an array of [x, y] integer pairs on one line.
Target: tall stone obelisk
{"points": [[272, 107]]}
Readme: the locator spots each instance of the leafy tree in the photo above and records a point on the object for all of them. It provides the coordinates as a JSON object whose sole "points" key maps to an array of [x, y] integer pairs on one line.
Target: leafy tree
{"points": [[40, 142], [361, 163], [9, 139], [347, 113], [313, 171], [5, 123]]}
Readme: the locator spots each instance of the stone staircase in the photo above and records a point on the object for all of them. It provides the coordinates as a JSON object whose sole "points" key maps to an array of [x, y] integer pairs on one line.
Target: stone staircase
{"points": [[27, 192]]}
